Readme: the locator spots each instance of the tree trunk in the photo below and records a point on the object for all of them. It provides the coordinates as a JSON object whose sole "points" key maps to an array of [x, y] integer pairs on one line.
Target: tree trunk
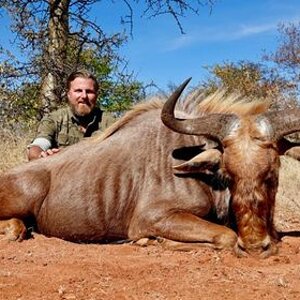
{"points": [[58, 31]]}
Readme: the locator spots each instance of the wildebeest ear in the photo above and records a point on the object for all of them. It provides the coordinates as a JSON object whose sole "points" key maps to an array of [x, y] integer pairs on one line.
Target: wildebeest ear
{"points": [[188, 152], [294, 152], [206, 162], [285, 147]]}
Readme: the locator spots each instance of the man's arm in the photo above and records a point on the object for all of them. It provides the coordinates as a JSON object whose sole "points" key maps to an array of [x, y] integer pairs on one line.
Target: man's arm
{"points": [[40, 147], [34, 152], [42, 144]]}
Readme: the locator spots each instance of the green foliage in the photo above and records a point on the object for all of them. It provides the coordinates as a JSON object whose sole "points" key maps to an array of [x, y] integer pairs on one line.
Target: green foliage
{"points": [[246, 78], [252, 80], [120, 97], [20, 106]]}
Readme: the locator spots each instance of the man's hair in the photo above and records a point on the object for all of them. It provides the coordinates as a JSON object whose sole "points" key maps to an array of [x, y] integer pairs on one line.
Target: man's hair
{"points": [[82, 74]]}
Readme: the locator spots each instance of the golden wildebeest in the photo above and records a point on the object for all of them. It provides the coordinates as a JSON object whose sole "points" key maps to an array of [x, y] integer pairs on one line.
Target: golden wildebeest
{"points": [[142, 180]]}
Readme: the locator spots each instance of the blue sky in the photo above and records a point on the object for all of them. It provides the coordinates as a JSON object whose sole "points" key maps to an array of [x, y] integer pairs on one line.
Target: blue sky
{"points": [[234, 30]]}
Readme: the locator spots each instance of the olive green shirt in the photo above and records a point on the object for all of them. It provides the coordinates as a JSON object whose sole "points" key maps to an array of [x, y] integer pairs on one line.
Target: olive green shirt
{"points": [[62, 128]]}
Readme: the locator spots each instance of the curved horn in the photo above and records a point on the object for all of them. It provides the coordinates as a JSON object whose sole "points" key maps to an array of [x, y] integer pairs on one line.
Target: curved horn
{"points": [[283, 122], [214, 126]]}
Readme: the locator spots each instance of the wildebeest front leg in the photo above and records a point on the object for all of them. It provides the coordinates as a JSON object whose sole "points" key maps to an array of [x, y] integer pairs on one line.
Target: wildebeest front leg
{"points": [[13, 229], [185, 231]]}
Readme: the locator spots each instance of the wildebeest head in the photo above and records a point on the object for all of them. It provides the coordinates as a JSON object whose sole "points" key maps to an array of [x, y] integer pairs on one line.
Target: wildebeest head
{"points": [[249, 156]]}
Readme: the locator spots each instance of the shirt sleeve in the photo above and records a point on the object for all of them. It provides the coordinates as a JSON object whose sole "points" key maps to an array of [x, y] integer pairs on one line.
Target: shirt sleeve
{"points": [[46, 131], [41, 142]]}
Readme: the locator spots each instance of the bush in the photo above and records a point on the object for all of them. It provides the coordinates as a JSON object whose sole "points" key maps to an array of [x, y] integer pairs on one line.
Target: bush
{"points": [[13, 147]]}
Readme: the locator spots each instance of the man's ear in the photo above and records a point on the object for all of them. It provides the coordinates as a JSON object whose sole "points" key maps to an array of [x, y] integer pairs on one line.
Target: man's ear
{"points": [[206, 162]]}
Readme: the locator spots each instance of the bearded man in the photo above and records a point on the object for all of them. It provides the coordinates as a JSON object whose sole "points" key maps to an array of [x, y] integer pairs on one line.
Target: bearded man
{"points": [[68, 125]]}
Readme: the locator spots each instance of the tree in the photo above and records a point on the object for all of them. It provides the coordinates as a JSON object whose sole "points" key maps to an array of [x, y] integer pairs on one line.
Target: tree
{"points": [[20, 106], [252, 80], [287, 55], [53, 34], [286, 59], [45, 37]]}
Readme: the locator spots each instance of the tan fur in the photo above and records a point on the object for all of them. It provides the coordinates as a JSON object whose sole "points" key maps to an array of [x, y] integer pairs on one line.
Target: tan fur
{"points": [[234, 103]]}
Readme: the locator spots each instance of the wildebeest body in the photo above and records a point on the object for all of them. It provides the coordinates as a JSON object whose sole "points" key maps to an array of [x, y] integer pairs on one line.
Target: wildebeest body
{"points": [[118, 188], [142, 180]]}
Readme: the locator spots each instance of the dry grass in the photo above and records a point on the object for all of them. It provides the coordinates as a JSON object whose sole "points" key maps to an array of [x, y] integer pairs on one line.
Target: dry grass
{"points": [[12, 148], [287, 212]]}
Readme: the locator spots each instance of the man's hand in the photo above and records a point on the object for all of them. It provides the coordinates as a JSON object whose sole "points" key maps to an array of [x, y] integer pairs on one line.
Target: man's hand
{"points": [[49, 152], [35, 152]]}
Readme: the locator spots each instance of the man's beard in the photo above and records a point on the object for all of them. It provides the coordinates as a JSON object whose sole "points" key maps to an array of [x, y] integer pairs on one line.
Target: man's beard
{"points": [[81, 109]]}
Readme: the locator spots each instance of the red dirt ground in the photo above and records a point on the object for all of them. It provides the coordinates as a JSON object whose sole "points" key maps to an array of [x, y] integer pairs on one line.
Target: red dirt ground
{"points": [[49, 268]]}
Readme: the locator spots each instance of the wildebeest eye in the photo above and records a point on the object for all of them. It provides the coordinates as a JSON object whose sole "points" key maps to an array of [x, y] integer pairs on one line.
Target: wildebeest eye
{"points": [[264, 142]]}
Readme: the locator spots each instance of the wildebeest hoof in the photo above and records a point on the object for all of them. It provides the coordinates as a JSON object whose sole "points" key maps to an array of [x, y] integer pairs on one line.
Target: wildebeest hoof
{"points": [[240, 251], [225, 241], [144, 242], [13, 230]]}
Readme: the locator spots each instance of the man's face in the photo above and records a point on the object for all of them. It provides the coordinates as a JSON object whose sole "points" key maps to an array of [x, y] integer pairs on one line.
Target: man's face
{"points": [[82, 96]]}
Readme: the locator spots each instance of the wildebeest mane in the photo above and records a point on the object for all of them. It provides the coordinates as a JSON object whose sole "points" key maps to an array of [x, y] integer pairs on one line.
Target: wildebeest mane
{"points": [[131, 114], [219, 102], [195, 104]]}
